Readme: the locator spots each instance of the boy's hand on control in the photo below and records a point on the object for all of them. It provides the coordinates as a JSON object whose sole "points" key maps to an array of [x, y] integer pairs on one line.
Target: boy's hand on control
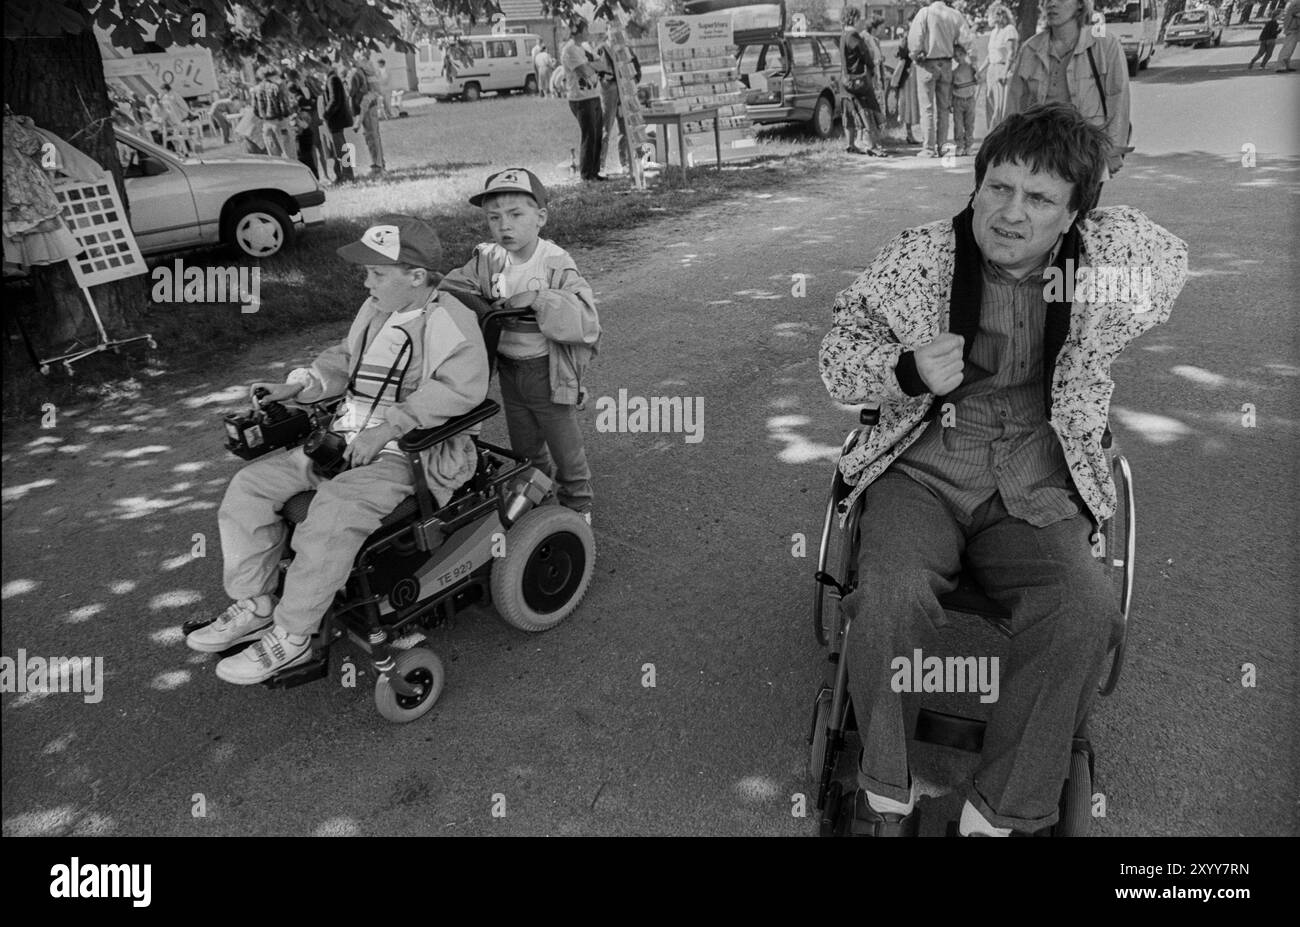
{"points": [[275, 392], [366, 446], [940, 363]]}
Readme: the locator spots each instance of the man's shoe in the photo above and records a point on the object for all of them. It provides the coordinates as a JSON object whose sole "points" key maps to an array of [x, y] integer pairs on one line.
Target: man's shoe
{"points": [[239, 624], [868, 822], [262, 660]]}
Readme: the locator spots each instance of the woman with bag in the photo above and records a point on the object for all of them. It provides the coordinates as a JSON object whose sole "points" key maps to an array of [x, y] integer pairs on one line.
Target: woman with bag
{"points": [[858, 100], [907, 103]]}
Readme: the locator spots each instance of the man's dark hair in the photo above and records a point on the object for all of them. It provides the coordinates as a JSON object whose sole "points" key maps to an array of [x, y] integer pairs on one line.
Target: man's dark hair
{"points": [[1051, 137]]}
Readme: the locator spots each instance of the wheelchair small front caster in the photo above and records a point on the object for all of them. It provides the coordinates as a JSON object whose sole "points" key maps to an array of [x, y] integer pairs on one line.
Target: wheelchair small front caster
{"points": [[420, 668]]}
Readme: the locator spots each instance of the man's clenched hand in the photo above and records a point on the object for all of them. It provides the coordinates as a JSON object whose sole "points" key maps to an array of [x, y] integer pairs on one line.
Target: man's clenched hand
{"points": [[940, 363]]}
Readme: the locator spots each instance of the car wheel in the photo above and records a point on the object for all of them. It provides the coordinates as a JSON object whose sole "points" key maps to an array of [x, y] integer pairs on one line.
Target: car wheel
{"points": [[822, 123], [1133, 67], [530, 85], [1218, 40], [260, 228], [471, 92]]}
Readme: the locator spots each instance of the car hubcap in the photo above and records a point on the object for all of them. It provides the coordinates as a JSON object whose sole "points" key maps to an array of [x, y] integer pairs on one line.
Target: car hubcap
{"points": [[553, 572], [259, 234], [824, 119]]}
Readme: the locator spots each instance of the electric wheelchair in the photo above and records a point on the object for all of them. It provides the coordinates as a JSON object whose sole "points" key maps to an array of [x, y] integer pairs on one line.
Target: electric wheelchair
{"points": [[494, 542], [833, 720]]}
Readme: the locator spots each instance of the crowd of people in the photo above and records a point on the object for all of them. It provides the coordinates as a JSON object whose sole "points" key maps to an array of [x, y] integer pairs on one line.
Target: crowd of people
{"points": [[298, 113], [940, 82]]}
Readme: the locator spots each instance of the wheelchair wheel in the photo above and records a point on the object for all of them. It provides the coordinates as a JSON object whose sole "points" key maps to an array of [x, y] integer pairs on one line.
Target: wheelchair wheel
{"points": [[831, 554], [1076, 799], [1121, 550], [549, 560], [817, 736], [420, 667]]}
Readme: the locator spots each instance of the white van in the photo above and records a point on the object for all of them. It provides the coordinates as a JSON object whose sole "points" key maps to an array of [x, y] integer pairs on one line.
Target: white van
{"points": [[1136, 23], [478, 64]]}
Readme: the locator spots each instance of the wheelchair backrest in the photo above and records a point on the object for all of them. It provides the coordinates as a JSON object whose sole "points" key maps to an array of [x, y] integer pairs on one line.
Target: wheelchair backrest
{"points": [[491, 319]]}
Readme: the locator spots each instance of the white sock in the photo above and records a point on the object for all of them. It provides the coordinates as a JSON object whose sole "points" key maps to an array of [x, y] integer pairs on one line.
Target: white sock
{"points": [[882, 805], [974, 822]]}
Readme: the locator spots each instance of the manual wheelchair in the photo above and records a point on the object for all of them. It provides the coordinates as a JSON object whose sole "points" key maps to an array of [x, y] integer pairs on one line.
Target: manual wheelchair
{"points": [[493, 542], [833, 717]]}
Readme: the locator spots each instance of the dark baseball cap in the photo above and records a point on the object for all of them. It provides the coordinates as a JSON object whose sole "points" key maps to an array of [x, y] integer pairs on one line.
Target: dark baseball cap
{"points": [[396, 240], [511, 180]]}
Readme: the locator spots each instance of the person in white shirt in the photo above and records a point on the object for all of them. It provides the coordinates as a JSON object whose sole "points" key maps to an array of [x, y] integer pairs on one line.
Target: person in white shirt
{"points": [[934, 32], [1002, 50]]}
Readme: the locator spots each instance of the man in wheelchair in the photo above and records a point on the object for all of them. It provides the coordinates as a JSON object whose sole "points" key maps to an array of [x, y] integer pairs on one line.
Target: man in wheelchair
{"points": [[994, 388], [413, 359]]}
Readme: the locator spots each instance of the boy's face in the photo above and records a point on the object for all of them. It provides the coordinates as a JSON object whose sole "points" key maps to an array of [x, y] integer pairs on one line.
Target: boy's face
{"points": [[515, 221], [393, 288]]}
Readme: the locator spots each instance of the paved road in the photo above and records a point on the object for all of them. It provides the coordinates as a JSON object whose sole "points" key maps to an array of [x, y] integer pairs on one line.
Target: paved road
{"points": [[695, 573]]}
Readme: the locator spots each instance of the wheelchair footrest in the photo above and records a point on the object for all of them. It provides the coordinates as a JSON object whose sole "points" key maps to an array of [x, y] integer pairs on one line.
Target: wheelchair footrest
{"points": [[316, 668], [937, 727]]}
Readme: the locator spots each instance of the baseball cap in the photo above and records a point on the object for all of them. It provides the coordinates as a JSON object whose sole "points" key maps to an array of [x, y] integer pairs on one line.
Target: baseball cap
{"points": [[396, 240], [511, 180]]}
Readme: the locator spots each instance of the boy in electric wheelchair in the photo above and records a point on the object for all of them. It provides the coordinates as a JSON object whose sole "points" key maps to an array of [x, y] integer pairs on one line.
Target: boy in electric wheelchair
{"points": [[413, 359], [959, 317]]}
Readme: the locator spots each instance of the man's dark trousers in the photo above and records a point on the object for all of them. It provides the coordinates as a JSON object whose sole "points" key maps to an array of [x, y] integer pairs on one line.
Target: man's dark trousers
{"points": [[1063, 609], [590, 121]]}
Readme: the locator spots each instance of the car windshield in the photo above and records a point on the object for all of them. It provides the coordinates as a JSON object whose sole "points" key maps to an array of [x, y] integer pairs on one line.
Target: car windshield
{"points": [[1195, 16], [1121, 11]]}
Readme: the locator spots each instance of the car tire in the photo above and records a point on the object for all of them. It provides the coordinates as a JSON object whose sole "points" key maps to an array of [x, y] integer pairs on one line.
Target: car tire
{"points": [[259, 228], [1218, 40], [530, 84], [472, 92], [1133, 66], [822, 123]]}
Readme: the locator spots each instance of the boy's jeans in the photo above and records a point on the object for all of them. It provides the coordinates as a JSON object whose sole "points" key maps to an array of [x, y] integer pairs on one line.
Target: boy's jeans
{"points": [[346, 510], [541, 430], [1063, 608], [963, 120]]}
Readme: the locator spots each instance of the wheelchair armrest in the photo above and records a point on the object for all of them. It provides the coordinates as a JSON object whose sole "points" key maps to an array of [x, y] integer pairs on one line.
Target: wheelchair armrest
{"points": [[869, 416], [424, 438]]}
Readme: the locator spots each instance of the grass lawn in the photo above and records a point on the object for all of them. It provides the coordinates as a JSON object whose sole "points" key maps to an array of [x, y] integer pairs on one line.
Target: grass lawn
{"points": [[436, 157]]}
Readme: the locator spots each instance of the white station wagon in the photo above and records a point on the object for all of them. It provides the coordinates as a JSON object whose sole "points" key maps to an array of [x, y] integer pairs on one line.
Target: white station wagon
{"points": [[256, 203]]}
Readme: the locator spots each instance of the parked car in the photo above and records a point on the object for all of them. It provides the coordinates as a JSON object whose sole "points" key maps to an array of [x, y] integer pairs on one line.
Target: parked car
{"points": [[1136, 23], [1195, 28], [255, 203], [478, 64], [792, 78]]}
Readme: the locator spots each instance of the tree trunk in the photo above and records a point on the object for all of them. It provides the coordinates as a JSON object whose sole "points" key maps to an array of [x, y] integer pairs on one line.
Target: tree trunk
{"points": [[1027, 18], [59, 82]]}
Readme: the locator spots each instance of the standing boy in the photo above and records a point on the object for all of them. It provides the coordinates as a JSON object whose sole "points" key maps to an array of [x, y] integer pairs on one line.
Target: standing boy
{"points": [[542, 363], [964, 85]]}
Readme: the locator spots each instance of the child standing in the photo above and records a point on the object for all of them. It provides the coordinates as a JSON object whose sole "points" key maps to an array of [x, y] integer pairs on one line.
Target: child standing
{"points": [[1267, 40], [964, 85], [542, 363]]}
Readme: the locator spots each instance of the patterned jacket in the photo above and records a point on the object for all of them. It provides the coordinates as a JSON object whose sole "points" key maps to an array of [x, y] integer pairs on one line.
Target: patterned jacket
{"points": [[901, 303]]}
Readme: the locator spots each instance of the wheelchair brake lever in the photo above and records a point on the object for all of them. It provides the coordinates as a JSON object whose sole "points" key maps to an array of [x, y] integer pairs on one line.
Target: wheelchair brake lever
{"points": [[827, 579]]}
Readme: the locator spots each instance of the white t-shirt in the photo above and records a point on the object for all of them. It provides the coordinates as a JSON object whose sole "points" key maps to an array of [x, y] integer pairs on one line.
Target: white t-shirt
{"points": [[518, 278], [380, 354]]}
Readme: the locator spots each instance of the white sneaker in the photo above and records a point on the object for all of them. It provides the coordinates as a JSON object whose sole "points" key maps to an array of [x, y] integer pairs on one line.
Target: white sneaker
{"points": [[274, 652], [239, 624]]}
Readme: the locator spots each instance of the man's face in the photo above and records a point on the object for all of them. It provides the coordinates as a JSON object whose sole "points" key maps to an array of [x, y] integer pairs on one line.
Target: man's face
{"points": [[393, 288], [515, 222], [1019, 215]]}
